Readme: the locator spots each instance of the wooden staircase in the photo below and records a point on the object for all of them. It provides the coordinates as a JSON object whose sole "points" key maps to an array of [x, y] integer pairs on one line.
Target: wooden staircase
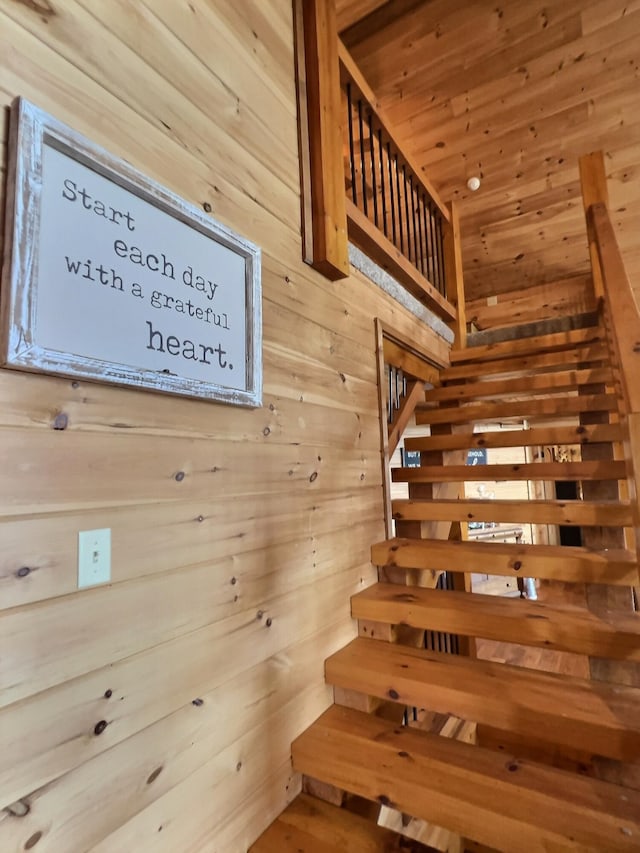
{"points": [[493, 799]]}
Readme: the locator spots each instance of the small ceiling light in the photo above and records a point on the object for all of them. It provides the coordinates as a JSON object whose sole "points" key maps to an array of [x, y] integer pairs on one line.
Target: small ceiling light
{"points": [[473, 184]]}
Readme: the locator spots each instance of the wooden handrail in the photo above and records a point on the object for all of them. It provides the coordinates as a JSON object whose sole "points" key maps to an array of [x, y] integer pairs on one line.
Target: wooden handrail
{"points": [[621, 306], [622, 323]]}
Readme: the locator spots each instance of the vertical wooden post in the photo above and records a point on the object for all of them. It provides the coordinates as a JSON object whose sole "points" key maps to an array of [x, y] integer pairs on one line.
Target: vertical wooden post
{"points": [[455, 281], [321, 138], [593, 180]]}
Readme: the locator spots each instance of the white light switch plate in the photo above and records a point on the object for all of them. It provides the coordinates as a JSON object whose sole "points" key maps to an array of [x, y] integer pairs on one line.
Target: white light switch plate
{"points": [[94, 557]]}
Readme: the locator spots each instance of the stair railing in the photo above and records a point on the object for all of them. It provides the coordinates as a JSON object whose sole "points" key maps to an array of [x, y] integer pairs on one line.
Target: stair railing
{"points": [[393, 213], [359, 183], [620, 315]]}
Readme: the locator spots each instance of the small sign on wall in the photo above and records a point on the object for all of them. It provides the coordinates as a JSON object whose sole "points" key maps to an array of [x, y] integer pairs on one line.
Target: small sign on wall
{"points": [[110, 277], [477, 456]]}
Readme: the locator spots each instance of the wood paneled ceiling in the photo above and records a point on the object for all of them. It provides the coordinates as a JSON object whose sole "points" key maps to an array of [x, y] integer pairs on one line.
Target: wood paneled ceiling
{"points": [[512, 91]]}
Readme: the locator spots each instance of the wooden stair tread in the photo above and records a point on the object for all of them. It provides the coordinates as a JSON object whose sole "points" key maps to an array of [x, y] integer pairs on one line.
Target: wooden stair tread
{"points": [[505, 803], [541, 383], [553, 562], [578, 513], [596, 434], [573, 339], [310, 825], [591, 470], [600, 717], [529, 407], [511, 620], [592, 355]]}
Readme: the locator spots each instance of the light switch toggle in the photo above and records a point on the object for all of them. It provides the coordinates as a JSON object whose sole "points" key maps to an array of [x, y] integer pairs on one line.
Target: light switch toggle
{"points": [[94, 557]]}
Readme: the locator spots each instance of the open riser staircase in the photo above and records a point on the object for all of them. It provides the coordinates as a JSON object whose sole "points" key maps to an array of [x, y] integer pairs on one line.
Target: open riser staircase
{"points": [[553, 741]]}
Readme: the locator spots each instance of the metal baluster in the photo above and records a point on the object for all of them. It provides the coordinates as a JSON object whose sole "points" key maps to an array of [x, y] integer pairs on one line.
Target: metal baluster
{"points": [[373, 170], [391, 195], [406, 210], [413, 217], [443, 286], [364, 177], [399, 203], [382, 187], [421, 232], [425, 212], [434, 259], [352, 159]]}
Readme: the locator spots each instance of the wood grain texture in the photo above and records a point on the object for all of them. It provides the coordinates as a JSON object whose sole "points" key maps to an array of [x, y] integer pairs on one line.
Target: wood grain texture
{"points": [[324, 138], [580, 513], [514, 94], [528, 364], [567, 628], [216, 575], [531, 408], [518, 438], [570, 711], [313, 826], [511, 804], [592, 470], [554, 562]]}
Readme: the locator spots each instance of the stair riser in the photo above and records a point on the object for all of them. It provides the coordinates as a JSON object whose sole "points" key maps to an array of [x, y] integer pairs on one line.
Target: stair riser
{"points": [[562, 341], [518, 438], [501, 802], [596, 355], [578, 513], [506, 560], [530, 408], [567, 471], [564, 711], [507, 621], [549, 383]]}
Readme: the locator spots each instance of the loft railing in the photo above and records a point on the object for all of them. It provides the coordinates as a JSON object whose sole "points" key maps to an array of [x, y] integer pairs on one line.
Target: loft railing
{"points": [[384, 187], [620, 315], [393, 213], [359, 183]]}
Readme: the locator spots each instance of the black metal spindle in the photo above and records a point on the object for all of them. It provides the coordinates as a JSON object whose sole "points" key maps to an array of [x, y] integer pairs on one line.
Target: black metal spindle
{"points": [[420, 231], [382, 183], [352, 159], [395, 159], [390, 396], [391, 195], [406, 211], [432, 246], [362, 168], [442, 288], [425, 215], [373, 170], [413, 219]]}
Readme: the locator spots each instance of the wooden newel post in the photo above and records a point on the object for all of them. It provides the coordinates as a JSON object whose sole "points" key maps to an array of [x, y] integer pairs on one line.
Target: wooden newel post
{"points": [[455, 282], [593, 180], [320, 124]]}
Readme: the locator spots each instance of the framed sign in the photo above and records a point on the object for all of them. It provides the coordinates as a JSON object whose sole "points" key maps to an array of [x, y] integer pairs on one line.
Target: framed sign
{"points": [[107, 276]]}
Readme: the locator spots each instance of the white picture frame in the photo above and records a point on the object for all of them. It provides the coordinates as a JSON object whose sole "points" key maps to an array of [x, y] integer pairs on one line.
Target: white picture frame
{"points": [[109, 277]]}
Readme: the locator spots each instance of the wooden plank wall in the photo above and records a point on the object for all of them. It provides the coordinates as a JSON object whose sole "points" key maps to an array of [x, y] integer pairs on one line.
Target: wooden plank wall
{"points": [[566, 297], [231, 584]]}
